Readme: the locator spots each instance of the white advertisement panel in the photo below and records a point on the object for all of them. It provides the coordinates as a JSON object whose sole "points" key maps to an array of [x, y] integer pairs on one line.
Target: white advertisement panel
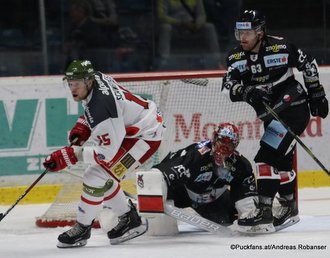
{"points": [[36, 114]]}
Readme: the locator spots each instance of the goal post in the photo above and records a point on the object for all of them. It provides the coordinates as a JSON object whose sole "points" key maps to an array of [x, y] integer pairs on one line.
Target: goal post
{"points": [[193, 105]]}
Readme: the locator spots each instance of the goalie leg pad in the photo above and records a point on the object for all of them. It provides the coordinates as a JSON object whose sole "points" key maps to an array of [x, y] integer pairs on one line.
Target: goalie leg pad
{"points": [[152, 195], [162, 224], [151, 191]]}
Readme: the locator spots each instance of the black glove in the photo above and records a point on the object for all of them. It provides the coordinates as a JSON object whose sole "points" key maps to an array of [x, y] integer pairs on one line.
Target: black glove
{"points": [[319, 107], [255, 96], [318, 104]]}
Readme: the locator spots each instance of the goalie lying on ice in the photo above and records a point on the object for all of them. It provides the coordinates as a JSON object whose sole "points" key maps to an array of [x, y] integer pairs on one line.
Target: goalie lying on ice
{"points": [[210, 176]]}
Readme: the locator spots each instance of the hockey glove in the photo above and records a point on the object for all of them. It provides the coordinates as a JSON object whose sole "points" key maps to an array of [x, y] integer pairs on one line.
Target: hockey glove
{"points": [[318, 104], [255, 96], [80, 133], [60, 159]]}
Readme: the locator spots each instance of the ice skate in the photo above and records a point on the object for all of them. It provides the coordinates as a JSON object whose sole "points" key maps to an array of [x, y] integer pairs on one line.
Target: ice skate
{"points": [[258, 221], [129, 226], [285, 214], [75, 237]]}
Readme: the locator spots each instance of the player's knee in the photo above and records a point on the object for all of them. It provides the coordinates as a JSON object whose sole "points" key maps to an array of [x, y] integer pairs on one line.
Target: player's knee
{"points": [[287, 176], [97, 193], [265, 171]]}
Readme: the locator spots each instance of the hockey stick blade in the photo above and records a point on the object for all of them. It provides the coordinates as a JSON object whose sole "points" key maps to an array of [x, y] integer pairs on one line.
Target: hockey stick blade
{"points": [[196, 220], [191, 219]]}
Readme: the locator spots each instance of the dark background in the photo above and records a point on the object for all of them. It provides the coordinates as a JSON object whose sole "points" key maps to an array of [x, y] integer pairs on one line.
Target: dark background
{"points": [[304, 22]]}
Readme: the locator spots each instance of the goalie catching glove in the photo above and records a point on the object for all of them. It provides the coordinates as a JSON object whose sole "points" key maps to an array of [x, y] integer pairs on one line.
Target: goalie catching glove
{"points": [[318, 104], [60, 159], [80, 133]]}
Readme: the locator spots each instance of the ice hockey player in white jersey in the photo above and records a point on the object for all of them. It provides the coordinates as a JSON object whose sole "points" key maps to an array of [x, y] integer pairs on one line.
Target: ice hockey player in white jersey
{"points": [[124, 130], [211, 177]]}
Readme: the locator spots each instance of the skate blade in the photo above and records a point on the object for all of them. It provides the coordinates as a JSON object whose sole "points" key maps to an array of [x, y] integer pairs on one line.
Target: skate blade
{"points": [[80, 243], [258, 229], [130, 234], [288, 223]]}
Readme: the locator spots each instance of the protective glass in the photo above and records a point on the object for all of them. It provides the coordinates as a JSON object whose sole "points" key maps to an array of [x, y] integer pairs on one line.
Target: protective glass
{"points": [[246, 34], [74, 83]]}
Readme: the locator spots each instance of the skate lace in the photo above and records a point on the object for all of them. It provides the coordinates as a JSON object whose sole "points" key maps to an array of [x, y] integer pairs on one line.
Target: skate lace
{"points": [[122, 222], [75, 230]]}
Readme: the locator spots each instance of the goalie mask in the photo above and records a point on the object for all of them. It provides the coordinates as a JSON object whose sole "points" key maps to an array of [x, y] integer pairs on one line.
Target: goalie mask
{"points": [[225, 141]]}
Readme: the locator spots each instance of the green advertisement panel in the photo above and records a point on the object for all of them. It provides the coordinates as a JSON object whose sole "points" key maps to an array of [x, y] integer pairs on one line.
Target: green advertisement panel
{"points": [[36, 116]]}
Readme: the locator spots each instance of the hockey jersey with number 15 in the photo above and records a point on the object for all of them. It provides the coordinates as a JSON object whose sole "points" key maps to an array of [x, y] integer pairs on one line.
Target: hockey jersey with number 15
{"points": [[114, 113]]}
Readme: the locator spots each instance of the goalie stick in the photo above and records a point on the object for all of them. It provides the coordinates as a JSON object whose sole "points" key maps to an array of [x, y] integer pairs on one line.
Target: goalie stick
{"points": [[196, 220], [191, 219]]}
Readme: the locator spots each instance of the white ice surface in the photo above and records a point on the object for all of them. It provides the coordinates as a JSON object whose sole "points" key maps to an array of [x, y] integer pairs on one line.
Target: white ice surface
{"points": [[19, 237]]}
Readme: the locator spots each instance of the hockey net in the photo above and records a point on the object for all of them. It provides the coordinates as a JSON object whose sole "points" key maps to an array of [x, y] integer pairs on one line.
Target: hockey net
{"points": [[193, 105]]}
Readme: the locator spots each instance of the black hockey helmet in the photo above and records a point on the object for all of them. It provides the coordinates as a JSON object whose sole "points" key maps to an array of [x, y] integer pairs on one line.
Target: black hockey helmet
{"points": [[251, 20]]}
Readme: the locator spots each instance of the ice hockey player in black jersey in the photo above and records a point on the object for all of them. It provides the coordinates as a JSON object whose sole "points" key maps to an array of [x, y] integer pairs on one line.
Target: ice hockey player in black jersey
{"points": [[260, 70], [200, 175]]}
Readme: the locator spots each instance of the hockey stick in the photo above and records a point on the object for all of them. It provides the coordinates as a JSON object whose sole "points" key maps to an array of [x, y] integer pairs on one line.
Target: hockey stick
{"points": [[196, 220], [2, 215], [275, 115], [191, 219]]}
